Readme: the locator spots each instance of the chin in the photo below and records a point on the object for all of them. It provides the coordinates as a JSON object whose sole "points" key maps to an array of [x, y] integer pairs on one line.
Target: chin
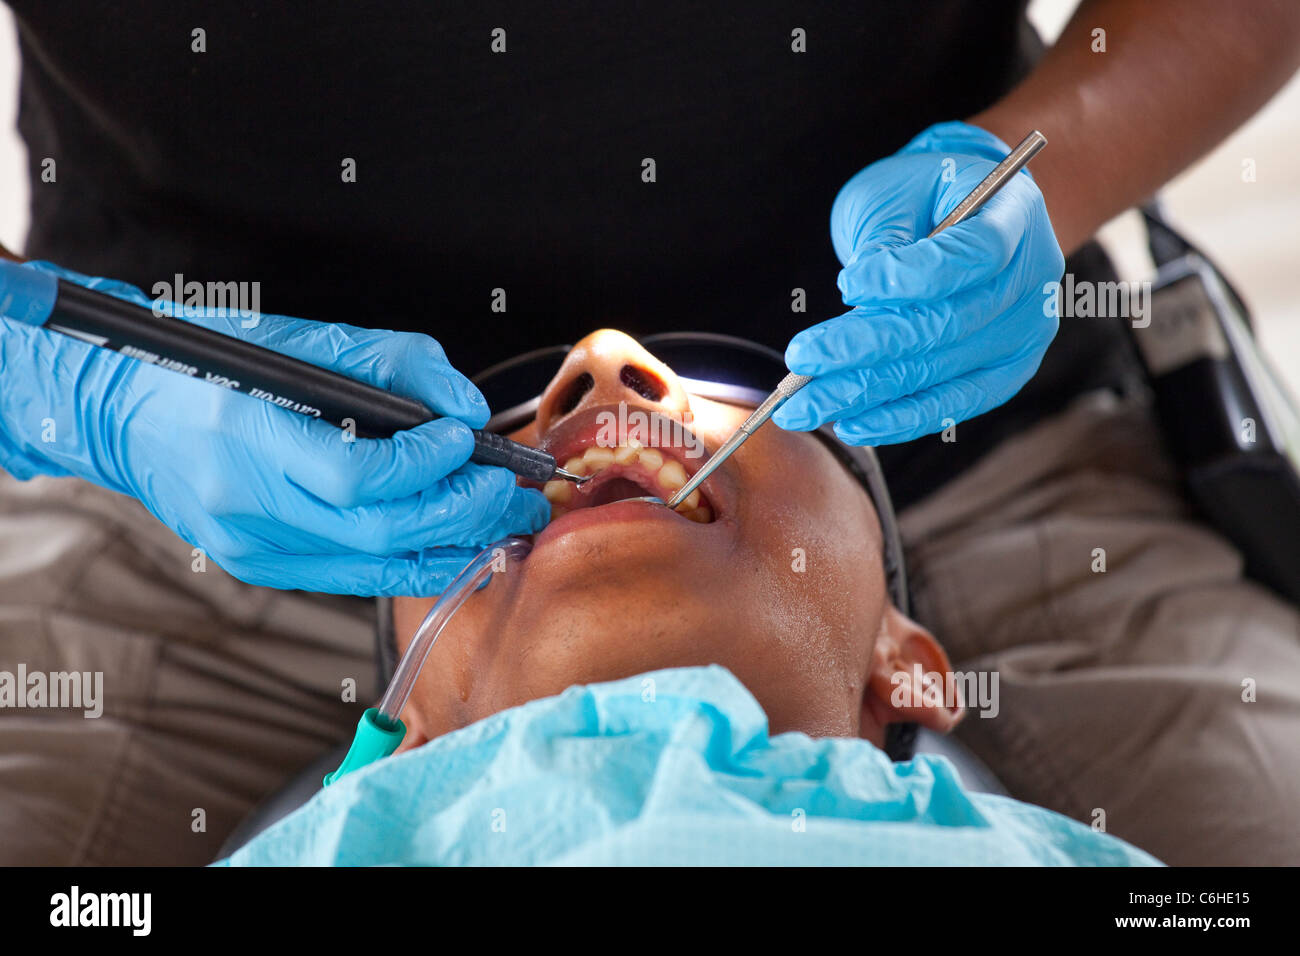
{"points": [[607, 577], [607, 640]]}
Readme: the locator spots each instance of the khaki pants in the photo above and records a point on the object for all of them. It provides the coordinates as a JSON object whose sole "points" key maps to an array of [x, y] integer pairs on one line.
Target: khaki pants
{"points": [[1120, 692], [214, 692]]}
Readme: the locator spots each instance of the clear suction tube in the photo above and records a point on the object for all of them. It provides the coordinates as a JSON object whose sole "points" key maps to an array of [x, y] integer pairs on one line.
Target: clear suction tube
{"points": [[464, 584]]}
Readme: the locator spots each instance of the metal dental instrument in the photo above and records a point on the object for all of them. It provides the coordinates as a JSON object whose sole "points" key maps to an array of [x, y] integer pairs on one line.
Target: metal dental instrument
{"points": [[570, 476], [134, 330], [988, 187]]}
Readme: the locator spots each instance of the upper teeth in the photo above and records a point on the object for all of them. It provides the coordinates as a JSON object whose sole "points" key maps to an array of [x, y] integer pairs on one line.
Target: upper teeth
{"points": [[668, 474]]}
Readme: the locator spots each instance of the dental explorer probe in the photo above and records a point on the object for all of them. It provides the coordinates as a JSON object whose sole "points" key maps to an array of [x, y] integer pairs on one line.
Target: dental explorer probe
{"points": [[136, 331], [988, 187]]}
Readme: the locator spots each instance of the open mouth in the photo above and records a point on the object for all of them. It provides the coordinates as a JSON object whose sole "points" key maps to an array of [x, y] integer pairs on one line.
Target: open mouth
{"points": [[627, 471]]}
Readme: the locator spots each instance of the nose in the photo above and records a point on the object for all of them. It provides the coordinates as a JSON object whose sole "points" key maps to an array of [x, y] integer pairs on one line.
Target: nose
{"points": [[605, 368]]}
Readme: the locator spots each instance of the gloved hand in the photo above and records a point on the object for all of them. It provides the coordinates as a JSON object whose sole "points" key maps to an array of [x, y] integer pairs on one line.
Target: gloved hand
{"points": [[942, 328], [273, 497]]}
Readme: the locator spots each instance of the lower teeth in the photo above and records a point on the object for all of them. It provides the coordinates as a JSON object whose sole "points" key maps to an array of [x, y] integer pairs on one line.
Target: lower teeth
{"points": [[700, 515]]}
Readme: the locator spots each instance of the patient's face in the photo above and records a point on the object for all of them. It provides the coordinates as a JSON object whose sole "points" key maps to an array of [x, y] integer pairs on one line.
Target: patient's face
{"points": [[775, 572]]}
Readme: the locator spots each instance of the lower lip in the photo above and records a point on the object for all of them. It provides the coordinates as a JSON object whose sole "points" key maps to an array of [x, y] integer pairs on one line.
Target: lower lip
{"points": [[617, 511]]}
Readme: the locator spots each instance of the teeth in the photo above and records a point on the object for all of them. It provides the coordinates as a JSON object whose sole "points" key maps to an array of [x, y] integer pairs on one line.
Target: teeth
{"points": [[597, 458], [672, 475], [624, 454], [558, 491], [651, 459], [668, 473], [701, 515]]}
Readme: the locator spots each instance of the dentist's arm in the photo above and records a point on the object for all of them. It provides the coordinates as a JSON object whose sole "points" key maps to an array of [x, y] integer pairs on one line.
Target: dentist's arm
{"points": [[273, 497], [1176, 77], [945, 329]]}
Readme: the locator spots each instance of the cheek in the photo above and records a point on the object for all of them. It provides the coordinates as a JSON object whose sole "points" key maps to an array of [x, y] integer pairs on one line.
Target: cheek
{"points": [[813, 603], [821, 588]]}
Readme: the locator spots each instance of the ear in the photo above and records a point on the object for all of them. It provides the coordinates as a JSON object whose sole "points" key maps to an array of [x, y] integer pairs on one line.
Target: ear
{"points": [[908, 681]]}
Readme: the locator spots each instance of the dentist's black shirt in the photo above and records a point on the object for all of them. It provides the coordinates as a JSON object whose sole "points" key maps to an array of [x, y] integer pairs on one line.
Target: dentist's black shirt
{"points": [[476, 170]]}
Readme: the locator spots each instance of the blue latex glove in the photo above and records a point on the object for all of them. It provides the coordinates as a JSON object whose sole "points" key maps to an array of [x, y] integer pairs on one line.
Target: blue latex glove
{"points": [[943, 329], [273, 497]]}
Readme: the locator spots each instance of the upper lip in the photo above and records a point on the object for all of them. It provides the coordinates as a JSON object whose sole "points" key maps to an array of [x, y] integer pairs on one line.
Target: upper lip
{"points": [[574, 435]]}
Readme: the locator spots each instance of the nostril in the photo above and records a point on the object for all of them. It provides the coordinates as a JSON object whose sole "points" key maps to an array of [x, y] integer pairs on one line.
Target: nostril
{"points": [[573, 393], [646, 384]]}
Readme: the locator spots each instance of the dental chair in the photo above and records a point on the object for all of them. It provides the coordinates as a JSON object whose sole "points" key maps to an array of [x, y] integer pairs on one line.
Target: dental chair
{"points": [[1226, 416]]}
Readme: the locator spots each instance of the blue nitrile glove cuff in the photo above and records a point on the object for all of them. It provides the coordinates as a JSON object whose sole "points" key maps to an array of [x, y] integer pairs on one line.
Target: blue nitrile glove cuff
{"points": [[26, 294]]}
